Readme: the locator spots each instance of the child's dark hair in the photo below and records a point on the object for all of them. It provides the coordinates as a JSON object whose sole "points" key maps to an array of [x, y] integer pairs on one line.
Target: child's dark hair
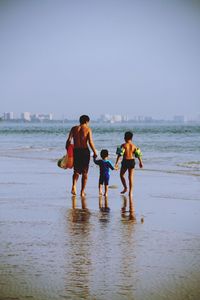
{"points": [[104, 153], [128, 135], [83, 119]]}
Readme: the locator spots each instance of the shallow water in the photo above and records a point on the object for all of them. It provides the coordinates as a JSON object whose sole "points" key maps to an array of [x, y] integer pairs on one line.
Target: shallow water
{"points": [[55, 246], [171, 148]]}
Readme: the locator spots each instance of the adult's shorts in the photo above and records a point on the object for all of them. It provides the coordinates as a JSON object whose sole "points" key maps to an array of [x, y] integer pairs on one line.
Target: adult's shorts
{"points": [[81, 160], [128, 164]]}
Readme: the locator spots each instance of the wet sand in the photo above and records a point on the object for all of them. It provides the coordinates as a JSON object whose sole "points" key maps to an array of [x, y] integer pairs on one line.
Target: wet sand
{"points": [[55, 246]]}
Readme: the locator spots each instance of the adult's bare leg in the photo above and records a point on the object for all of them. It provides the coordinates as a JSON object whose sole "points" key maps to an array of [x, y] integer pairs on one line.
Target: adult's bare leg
{"points": [[74, 181], [83, 183]]}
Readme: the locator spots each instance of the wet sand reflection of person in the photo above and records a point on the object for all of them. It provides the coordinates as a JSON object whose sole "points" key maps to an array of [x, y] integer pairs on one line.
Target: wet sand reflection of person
{"points": [[80, 214], [128, 251], [78, 256], [103, 206], [131, 212], [104, 216]]}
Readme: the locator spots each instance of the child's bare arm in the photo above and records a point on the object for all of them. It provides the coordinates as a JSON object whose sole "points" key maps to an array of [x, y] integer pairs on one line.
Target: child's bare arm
{"points": [[140, 162], [117, 161], [138, 155]]}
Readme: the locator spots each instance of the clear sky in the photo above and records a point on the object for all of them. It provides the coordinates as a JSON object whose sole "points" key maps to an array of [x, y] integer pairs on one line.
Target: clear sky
{"points": [[107, 56]]}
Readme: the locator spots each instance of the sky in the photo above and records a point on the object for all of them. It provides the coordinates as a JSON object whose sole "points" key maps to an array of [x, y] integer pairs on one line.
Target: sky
{"points": [[73, 57]]}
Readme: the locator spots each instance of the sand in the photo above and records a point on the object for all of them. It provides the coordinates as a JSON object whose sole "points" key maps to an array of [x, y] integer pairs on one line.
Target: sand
{"points": [[55, 246]]}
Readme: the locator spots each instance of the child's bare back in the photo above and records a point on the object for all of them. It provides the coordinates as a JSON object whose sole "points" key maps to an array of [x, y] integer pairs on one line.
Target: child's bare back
{"points": [[129, 148]]}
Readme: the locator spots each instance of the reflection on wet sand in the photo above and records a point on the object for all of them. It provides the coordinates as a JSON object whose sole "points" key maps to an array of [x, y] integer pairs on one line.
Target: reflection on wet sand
{"points": [[130, 213], [78, 260], [103, 205], [79, 214], [127, 265], [104, 215]]}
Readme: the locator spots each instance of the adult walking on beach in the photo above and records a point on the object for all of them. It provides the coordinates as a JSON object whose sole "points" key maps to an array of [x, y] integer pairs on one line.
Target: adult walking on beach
{"points": [[82, 136]]}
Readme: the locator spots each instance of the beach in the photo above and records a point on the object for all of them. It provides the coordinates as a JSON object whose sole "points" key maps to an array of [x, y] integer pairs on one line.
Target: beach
{"points": [[56, 246]]}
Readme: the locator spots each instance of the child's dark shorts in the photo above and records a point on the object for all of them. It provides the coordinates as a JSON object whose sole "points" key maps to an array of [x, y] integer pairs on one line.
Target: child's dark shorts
{"points": [[128, 164], [104, 179]]}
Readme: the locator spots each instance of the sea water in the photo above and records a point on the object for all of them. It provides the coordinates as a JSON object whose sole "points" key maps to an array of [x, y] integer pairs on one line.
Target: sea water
{"points": [[56, 246], [165, 148]]}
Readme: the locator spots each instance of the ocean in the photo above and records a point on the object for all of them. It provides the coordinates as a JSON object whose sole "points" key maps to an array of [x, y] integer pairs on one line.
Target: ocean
{"points": [[166, 148], [56, 246]]}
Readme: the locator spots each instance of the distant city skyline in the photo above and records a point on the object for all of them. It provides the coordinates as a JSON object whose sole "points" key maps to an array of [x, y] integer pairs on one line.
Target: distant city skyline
{"points": [[57, 116], [124, 57], [107, 117]]}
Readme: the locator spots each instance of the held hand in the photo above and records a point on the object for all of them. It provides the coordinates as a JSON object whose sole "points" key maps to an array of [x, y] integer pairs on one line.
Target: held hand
{"points": [[116, 167], [95, 155]]}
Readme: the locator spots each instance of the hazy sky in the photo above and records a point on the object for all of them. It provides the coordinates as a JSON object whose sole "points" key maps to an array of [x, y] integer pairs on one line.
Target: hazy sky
{"points": [[94, 57]]}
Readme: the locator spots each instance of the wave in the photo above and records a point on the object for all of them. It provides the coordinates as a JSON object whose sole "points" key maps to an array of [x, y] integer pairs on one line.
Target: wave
{"points": [[195, 165], [29, 149], [177, 172], [35, 149], [62, 129]]}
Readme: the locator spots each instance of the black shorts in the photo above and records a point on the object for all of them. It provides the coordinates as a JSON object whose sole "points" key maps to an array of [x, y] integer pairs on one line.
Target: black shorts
{"points": [[128, 164], [81, 160], [104, 179]]}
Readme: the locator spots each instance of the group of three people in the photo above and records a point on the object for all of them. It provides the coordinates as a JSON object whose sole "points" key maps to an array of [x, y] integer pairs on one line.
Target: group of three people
{"points": [[81, 136]]}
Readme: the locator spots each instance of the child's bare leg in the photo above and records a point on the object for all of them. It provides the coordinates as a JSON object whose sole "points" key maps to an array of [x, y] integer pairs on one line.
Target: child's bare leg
{"points": [[100, 189], [130, 178], [123, 180], [74, 180], [106, 190]]}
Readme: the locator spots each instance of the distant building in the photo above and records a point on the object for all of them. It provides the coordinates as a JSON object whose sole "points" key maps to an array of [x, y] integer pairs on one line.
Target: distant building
{"points": [[140, 118], [125, 119], [105, 118], [113, 118], [8, 116], [26, 116], [117, 118], [179, 119], [42, 117], [148, 119]]}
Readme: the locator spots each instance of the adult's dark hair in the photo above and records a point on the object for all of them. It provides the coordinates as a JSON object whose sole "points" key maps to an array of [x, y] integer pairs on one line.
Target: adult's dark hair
{"points": [[104, 153], [84, 119], [128, 135]]}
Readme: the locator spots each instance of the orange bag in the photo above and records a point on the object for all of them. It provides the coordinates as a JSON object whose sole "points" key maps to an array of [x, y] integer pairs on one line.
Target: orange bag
{"points": [[67, 161]]}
